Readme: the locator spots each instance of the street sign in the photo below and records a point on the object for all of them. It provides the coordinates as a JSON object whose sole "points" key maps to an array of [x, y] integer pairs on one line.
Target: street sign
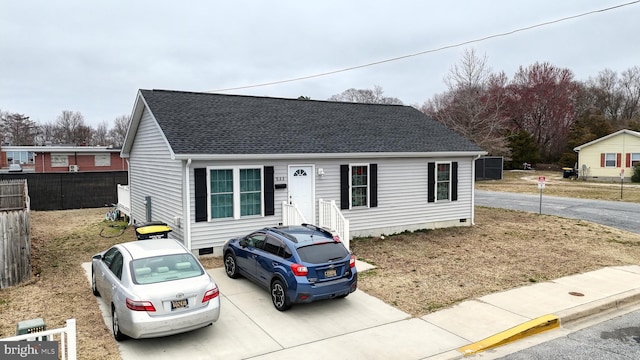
{"points": [[622, 174], [541, 182]]}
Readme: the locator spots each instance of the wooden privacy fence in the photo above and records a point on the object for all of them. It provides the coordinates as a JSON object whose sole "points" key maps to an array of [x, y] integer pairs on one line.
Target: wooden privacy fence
{"points": [[15, 239]]}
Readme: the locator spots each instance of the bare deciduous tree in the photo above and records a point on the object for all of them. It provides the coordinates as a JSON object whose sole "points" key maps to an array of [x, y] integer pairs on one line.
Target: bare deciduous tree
{"points": [[630, 84], [119, 130], [365, 96], [616, 96], [101, 135], [47, 134], [473, 106], [71, 129]]}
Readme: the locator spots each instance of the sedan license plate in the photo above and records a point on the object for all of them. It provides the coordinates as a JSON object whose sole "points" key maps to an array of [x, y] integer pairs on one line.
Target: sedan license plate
{"points": [[330, 273], [178, 304]]}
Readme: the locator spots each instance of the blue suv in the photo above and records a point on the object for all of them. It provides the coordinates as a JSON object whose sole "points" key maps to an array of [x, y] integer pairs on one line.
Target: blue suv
{"points": [[298, 264]]}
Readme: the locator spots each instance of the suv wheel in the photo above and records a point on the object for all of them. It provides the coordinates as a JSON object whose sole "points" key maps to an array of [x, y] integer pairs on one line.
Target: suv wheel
{"points": [[230, 266], [279, 295]]}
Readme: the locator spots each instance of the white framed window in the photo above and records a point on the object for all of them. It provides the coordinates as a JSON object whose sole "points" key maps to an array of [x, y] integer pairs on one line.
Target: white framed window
{"points": [[59, 160], [359, 184], [443, 181], [235, 192], [19, 157], [610, 160], [635, 159], [102, 160]]}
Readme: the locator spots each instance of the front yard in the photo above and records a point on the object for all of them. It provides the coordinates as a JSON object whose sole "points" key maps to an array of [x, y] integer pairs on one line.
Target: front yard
{"points": [[417, 272]]}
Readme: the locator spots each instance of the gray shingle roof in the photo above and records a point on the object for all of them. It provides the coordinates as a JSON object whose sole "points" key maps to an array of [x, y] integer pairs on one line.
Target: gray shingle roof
{"points": [[205, 123]]}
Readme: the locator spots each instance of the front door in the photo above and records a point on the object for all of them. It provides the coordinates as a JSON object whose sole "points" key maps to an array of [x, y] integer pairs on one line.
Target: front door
{"points": [[301, 191]]}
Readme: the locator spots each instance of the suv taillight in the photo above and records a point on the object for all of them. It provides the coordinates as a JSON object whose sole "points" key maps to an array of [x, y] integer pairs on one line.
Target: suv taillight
{"points": [[336, 238], [352, 261], [299, 270]]}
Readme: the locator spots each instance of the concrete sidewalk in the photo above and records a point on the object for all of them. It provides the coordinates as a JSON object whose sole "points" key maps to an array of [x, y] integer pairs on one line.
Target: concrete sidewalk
{"points": [[363, 327]]}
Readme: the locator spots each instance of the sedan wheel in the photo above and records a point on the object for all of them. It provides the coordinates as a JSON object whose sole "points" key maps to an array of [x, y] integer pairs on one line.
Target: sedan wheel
{"points": [[116, 325], [230, 266], [279, 296], [93, 284]]}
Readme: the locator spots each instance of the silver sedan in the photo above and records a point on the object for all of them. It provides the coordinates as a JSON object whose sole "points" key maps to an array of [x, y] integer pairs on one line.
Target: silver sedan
{"points": [[154, 288]]}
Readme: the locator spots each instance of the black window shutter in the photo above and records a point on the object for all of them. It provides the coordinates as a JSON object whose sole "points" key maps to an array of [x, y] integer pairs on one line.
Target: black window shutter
{"points": [[431, 182], [344, 187], [454, 181], [373, 185], [200, 181], [269, 191]]}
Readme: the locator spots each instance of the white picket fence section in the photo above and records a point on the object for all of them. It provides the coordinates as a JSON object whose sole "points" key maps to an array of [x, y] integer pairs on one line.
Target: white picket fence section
{"points": [[291, 215], [331, 217], [67, 335], [124, 199]]}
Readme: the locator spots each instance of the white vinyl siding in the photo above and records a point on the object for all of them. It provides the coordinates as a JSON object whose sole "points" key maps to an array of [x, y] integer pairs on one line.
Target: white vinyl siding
{"points": [[402, 196], [153, 173], [214, 233]]}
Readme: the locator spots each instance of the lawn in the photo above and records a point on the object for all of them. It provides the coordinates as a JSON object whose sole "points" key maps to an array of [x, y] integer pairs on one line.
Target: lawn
{"points": [[418, 272]]}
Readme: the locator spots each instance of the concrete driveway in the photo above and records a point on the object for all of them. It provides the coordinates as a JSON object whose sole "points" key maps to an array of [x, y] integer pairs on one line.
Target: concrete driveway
{"points": [[249, 325]]}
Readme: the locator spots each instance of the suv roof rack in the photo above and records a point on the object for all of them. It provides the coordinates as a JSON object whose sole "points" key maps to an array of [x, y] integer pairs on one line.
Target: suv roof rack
{"points": [[323, 230]]}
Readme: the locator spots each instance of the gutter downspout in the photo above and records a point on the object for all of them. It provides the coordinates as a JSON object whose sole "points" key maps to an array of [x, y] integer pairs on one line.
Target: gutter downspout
{"points": [[473, 190], [130, 197], [186, 211]]}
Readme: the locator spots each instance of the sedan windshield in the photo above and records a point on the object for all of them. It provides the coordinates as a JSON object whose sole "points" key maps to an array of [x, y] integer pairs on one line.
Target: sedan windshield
{"points": [[323, 252], [165, 268]]}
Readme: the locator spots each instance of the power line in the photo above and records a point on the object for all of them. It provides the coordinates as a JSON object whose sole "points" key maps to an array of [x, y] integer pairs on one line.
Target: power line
{"points": [[429, 51]]}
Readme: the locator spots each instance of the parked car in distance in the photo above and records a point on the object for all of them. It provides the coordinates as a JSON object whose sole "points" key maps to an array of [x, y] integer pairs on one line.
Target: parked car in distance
{"points": [[154, 288], [297, 264], [15, 168]]}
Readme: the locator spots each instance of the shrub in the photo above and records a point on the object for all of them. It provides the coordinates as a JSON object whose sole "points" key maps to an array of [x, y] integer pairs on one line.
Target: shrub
{"points": [[636, 174]]}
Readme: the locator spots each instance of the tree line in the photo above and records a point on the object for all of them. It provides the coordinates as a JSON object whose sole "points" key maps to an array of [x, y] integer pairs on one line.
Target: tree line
{"points": [[537, 116], [69, 128]]}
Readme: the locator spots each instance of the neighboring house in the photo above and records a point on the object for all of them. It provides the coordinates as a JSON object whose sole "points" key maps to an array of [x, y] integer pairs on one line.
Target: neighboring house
{"points": [[216, 166], [607, 157], [47, 159]]}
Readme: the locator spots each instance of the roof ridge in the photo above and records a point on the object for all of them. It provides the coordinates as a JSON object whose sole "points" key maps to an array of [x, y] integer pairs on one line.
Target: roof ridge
{"points": [[268, 97]]}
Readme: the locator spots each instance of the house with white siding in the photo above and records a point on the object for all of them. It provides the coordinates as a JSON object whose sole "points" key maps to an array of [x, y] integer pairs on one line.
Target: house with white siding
{"points": [[610, 157], [216, 166]]}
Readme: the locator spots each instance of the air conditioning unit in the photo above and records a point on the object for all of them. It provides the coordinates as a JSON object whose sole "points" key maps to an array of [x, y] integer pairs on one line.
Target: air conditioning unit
{"points": [[73, 168]]}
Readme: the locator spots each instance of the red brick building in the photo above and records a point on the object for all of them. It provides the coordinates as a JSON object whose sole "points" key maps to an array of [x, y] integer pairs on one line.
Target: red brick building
{"points": [[46, 159]]}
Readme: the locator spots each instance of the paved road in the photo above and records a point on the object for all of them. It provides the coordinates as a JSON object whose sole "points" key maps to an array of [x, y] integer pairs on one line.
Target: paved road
{"points": [[617, 214], [618, 338]]}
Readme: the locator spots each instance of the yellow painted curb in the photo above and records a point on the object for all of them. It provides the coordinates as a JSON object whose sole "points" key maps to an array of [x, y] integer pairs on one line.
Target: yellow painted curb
{"points": [[529, 328]]}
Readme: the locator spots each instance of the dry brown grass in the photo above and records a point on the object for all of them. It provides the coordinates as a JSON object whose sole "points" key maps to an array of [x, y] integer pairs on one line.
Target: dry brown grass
{"points": [[419, 272], [521, 181], [59, 290], [425, 271]]}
